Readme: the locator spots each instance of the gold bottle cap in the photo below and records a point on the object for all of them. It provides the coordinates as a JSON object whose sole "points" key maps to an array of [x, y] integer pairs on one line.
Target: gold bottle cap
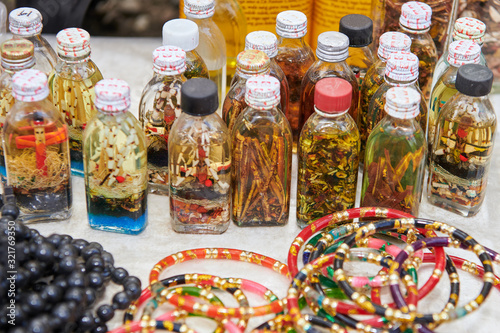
{"points": [[252, 62], [17, 54]]}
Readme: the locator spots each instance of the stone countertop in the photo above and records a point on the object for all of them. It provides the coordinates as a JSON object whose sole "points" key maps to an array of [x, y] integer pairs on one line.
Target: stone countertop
{"points": [[130, 59]]}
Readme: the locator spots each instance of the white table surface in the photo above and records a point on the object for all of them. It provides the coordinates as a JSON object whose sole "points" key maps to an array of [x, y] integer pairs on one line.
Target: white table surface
{"points": [[130, 59]]}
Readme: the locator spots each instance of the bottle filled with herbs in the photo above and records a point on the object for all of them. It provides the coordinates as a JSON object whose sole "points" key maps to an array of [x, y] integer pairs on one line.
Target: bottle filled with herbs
{"points": [[463, 144], [115, 163], [328, 154], [395, 155], [262, 158], [199, 163], [72, 88], [37, 151], [159, 106]]}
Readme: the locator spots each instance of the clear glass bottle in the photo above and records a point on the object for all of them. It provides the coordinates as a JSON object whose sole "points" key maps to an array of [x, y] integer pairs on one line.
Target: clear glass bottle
{"points": [[72, 88], [415, 22], [328, 154], [267, 42], [26, 23], [114, 153], [294, 57], [262, 158], [250, 63], [395, 155], [199, 163], [463, 144], [16, 56], [159, 106], [212, 46], [37, 151], [332, 52], [186, 35]]}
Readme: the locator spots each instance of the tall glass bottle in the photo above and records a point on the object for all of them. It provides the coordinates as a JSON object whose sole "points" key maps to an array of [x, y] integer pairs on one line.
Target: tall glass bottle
{"points": [[199, 163], [26, 23], [186, 35], [212, 46], [115, 162], [250, 63], [262, 158], [328, 154], [465, 134], [159, 106], [72, 88], [37, 151], [395, 155], [332, 52], [17, 55], [294, 57]]}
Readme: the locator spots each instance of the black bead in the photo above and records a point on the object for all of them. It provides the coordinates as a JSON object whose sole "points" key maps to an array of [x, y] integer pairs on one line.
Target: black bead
{"points": [[77, 279], [105, 312], [61, 282], [55, 240], [66, 239], [10, 210], [34, 302], [52, 294], [22, 277], [63, 312], [89, 251], [67, 265], [118, 274], [38, 240], [45, 252], [96, 280], [79, 243], [67, 250], [22, 251], [96, 245], [4, 220], [22, 231], [86, 321], [133, 290], [132, 279], [100, 329], [90, 296], [33, 233], [38, 325], [75, 294], [95, 263], [121, 300], [35, 269], [108, 258]]}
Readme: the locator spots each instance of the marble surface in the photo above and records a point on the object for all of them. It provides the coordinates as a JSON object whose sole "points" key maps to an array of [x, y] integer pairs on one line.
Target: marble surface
{"points": [[130, 59]]}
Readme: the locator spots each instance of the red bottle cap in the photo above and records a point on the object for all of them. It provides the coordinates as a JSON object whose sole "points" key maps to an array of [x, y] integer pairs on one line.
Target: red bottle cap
{"points": [[332, 95]]}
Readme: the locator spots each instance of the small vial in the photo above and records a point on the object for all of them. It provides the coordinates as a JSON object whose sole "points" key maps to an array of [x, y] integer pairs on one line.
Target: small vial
{"points": [[159, 106], [37, 151], [199, 163], [115, 163], [262, 158]]}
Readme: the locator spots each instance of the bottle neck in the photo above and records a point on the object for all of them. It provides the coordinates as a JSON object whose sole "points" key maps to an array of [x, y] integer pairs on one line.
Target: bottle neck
{"points": [[249, 74], [413, 31], [75, 60], [171, 77], [18, 36], [397, 83], [329, 115]]}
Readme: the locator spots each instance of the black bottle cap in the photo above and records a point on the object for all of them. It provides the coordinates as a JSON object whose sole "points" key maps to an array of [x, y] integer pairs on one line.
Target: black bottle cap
{"points": [[359, 29], [199, 97], [474, 80]]}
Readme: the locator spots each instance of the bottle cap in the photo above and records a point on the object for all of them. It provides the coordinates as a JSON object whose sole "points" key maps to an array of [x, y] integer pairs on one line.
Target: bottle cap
{"points": [[332, 95], [262, 92], [474, 80], [169, 60], [73, 43], [30, 85], [112, 95], [415, 15], [25, 21], [359, 29], [402, 66], [252, 62], [469, 28], [291, 24], [463, 52], [182, 33], [402, 102], [392, 42], [199, 97], [17, 54], [199, 8], [264, 41], [333, 46]]}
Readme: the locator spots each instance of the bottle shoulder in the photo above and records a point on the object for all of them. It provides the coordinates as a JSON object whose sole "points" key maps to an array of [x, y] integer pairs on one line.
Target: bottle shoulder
{"points": [[318, 124], [471, 111]]}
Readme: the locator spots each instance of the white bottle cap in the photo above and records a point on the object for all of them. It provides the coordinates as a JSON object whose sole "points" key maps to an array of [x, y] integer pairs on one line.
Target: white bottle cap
{"points": [[416, 15], [462, 52], [402, 66], [73, 43], [199, 8], [169, 60], [25, 21], [333, 46], [402, 102], [264, 41], [262, 92], [30, 85], [182, 33], [112, 95], [391, 42], [291, 24], [469, 28]]}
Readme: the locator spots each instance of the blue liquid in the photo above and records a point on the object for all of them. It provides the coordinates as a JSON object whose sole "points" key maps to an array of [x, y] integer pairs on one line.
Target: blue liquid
{"points": [[3, 171], [123, 224], [77, 168]]}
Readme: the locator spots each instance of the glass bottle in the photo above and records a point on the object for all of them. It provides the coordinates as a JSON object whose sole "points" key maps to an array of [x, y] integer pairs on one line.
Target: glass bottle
{"points": [[465, 134], [17, 54], [199, 163], [159, 106], [72, 88], [262, 158], [26, 23], [294, 57], [459, 53], [395, 155], [328, 154], [415, 22], [37, 151], [185, 34], [114, 152], [212, 46], [267, 42], [250, 63], [3, 21]]}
